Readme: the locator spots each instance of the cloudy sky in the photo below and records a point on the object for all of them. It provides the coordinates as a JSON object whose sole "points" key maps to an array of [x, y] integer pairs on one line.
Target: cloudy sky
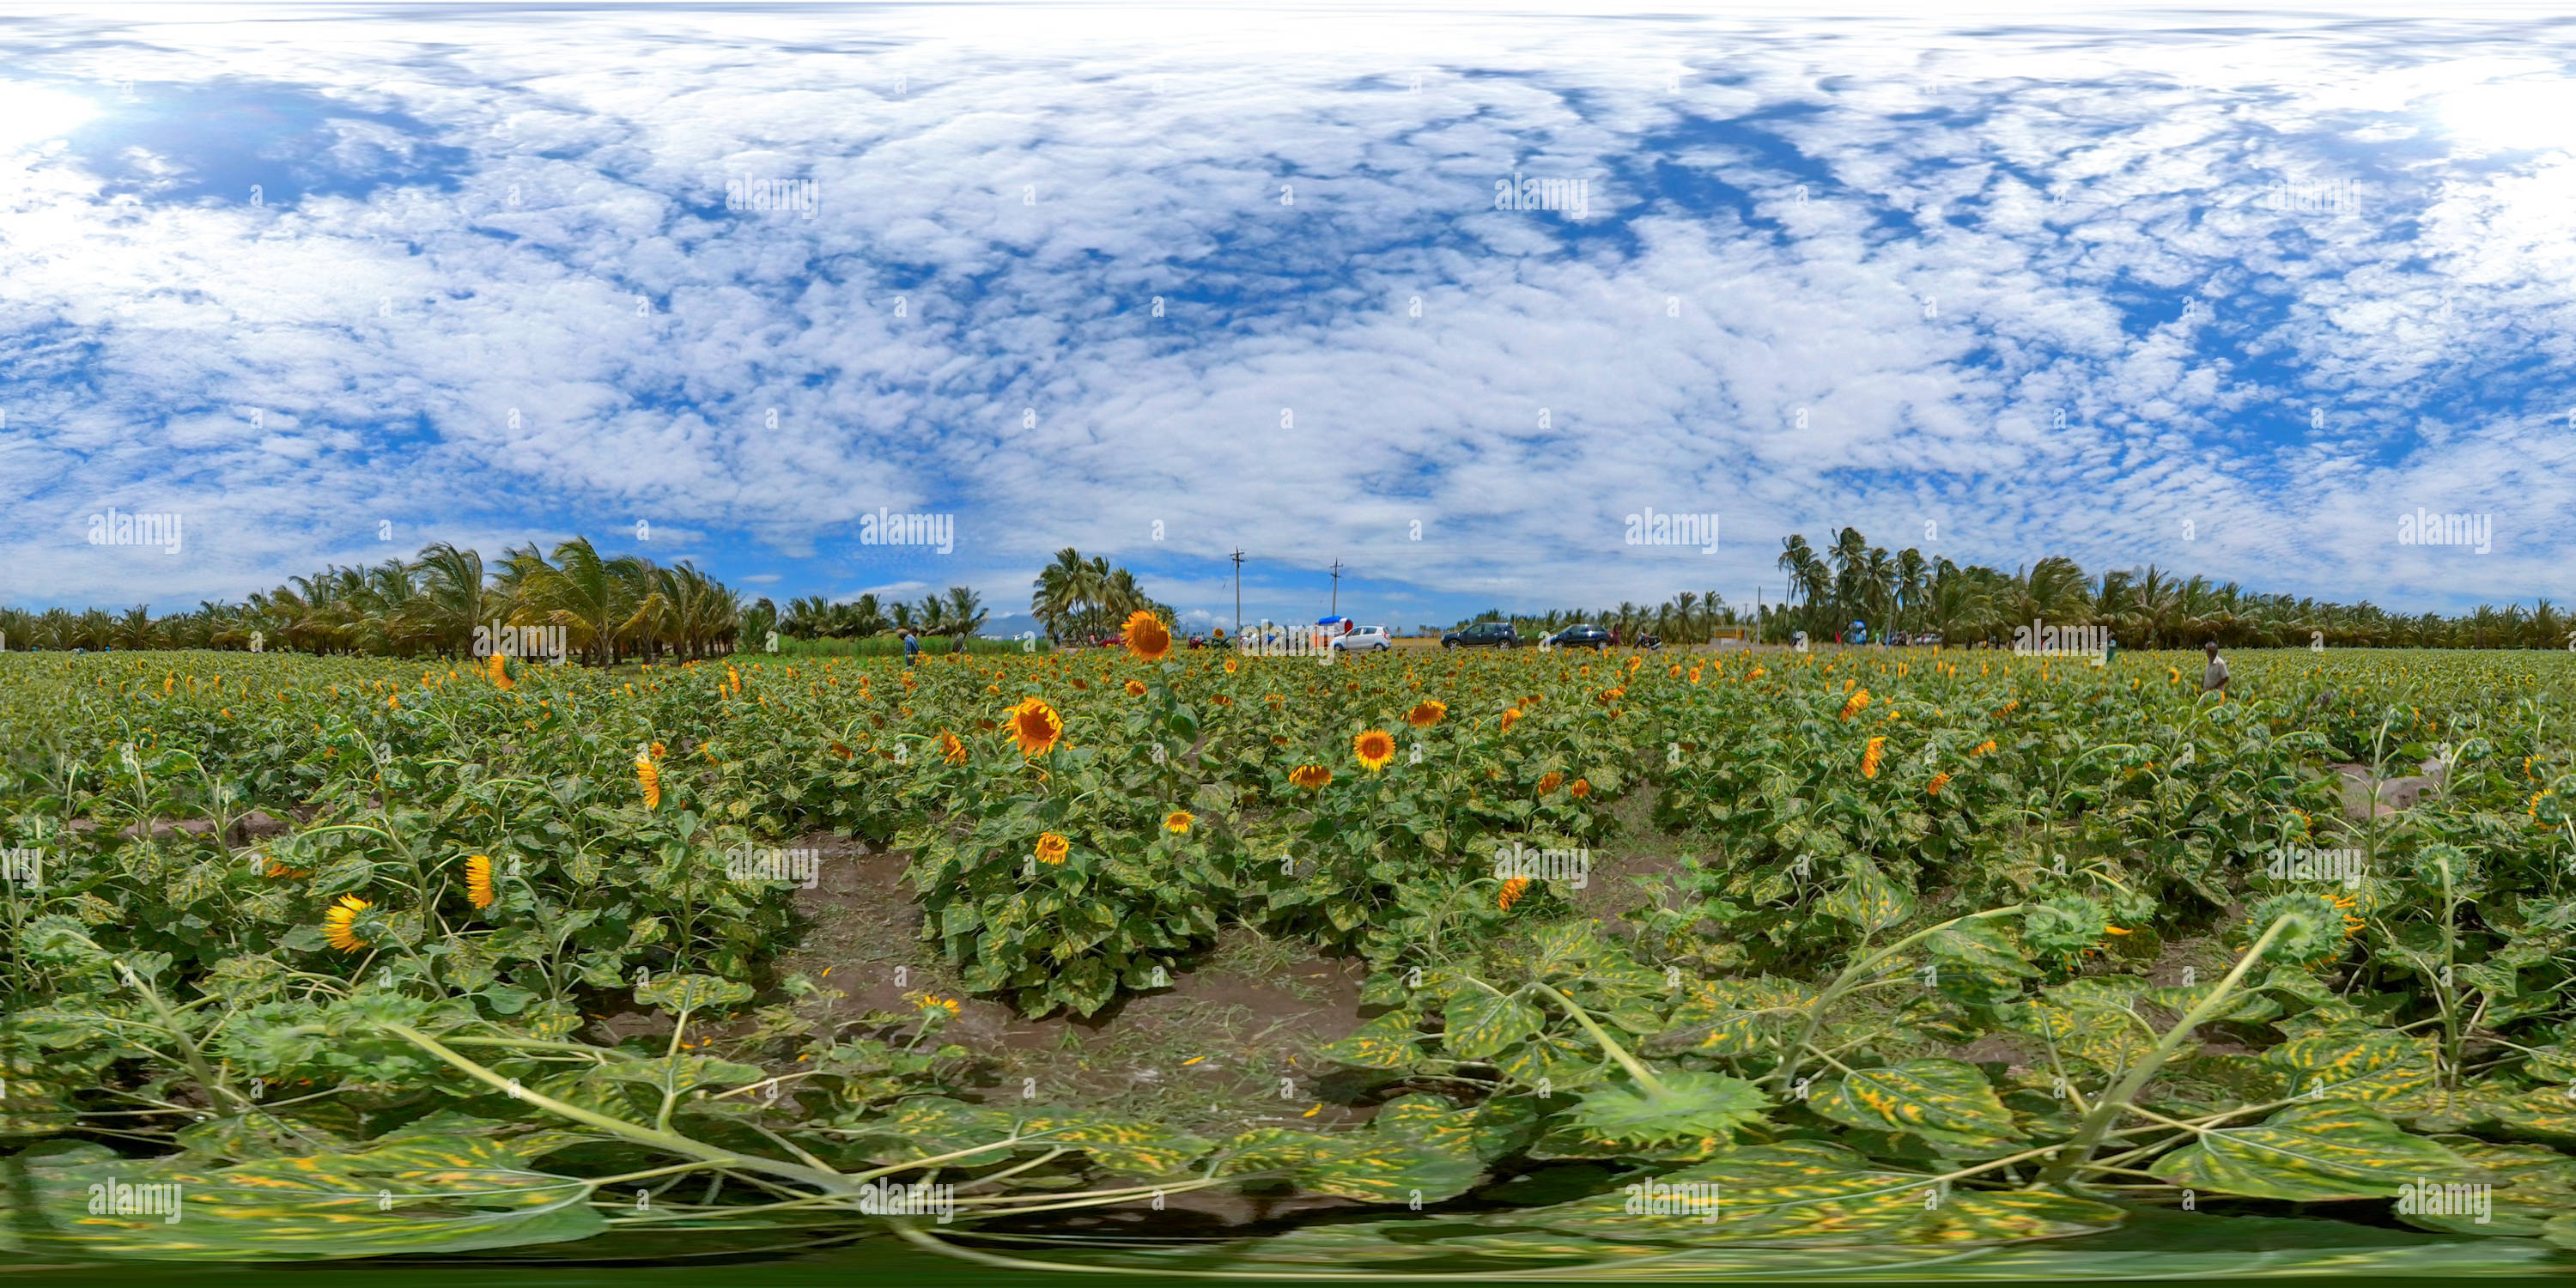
{"points": [[2226, 293]]}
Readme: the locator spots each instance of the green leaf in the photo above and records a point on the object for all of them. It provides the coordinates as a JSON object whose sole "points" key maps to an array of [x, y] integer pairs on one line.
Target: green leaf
{"points": [[1943, 1101], [1378, 1168], [1976, 946], [1391, 1041], [677, 993], [1481, 1024], [2376, 1068], [1689, 1106], [2310, 1153], [1869, 900]]}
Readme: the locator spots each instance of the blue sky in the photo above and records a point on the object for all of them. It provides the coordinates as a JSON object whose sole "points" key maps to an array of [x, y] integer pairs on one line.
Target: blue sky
{"points": [[2227, 293]]}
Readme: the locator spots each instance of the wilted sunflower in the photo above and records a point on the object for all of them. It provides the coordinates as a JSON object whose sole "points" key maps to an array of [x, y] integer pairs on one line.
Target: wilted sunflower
{"points": [[950, 749], [1374, 748], [339, 924], [1178, 822], [1426, 713], [1310, 777], [1147, 637], [1035, 726], [1052, 848], [1869, 758], [478, 880]]}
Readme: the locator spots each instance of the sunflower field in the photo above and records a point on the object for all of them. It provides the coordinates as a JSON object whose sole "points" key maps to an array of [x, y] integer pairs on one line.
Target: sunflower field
{"points": [[1866, 962]]}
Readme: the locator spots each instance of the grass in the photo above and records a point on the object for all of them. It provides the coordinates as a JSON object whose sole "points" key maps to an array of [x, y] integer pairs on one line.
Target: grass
{"points": [[892, 646]]}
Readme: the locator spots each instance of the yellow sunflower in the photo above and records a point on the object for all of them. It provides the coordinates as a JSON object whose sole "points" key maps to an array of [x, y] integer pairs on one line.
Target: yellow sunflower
{"points": [[1869, 758], [1310, 777], [1426, 713], [950, 749], [1035, 727], [1147, 637], [1178, 822], [339, 924], [1512, 892], [478, 880], [1374, 749], [1135, 688], [649, 779], [1548, 783], [1052, 848], [1511, 717]]}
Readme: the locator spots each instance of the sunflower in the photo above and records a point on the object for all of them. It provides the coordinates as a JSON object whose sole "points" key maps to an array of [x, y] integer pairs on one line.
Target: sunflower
{"points": [[1310, 777], [1178, 822], [1147, 637], [1426, 713], [650, 779], [1052, 848], [1036, 727], [1581, 788], [1982, 748], [950, 749], [1374, 748], [1511, 717], [1135, 688], [478, 879], [1512, 892], [1229, 666], [1869, 758], [1939, 781], [1548, 783], [500, 671], [339, 924], [1858, 703]]}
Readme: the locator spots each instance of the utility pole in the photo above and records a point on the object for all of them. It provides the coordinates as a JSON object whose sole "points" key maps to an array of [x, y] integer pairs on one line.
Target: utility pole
{"points": [[1238, 596], [1337, 588]]}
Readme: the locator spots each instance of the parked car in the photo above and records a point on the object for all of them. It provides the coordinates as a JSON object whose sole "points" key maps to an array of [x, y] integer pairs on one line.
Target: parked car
{"points": [[1483, 635], [1579, 635], [1366, 639]]}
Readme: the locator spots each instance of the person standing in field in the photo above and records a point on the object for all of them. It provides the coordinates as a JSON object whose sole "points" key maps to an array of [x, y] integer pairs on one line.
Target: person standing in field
{"points": [[912, 648], [2214, 678]]}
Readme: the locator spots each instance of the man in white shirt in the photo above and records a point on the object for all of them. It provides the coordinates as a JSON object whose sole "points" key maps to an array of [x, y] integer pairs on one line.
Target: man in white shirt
{"points": [[2216, 676]]}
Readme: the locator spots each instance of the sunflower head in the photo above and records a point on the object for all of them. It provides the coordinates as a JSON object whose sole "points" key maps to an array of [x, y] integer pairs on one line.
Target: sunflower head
{"points": [[1581, 788], [1512, 892], [1147, 637], [1310, 777], [951, 749], [2312, 927], [1374, 749], [1035, 727], [1135, 688], [1178, 822], [1426, 713], [1052, 848], [340, 924], [1869, 759], [1548, 782], [1511, 716], [478, 880]]}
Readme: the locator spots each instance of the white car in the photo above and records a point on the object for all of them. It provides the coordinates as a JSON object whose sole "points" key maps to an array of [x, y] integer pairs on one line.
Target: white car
{"points": [[1367, 639]]}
